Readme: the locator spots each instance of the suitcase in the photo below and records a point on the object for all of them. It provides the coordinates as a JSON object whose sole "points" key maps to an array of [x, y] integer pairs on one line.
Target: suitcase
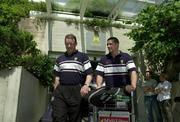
{"points": [[111, 104]]}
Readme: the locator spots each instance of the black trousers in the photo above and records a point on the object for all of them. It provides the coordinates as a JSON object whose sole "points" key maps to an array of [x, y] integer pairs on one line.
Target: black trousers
{"points": [[66, 104]]}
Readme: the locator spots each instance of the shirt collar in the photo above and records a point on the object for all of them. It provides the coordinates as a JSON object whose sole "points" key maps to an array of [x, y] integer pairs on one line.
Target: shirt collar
{"points": [[109, 54], [66, 54]]}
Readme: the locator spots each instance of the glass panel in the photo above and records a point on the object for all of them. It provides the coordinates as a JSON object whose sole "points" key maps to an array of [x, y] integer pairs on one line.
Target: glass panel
{"points": [[68, 5], [130, 9], [102, 8]]}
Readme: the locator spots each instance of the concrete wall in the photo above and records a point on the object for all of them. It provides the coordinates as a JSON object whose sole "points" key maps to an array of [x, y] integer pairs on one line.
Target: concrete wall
{"points": [[59, 30], [22, 98], [125, 42], [10, 84], [50, 36], [176, 105], [39, 31]]}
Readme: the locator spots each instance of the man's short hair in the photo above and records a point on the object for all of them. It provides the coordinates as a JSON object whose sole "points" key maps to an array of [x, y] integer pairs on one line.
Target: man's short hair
{"points": [[150, 72], [164, 75], [71, 36], [114, 39]]}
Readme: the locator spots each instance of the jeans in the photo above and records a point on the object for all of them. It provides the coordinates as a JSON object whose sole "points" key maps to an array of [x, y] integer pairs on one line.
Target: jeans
{"points": [[166, 110], [152, 108]]}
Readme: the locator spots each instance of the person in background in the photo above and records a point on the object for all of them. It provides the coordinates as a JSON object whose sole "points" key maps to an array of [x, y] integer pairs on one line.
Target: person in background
{"points": [[150, 98], [163, 90], [116, 68], [73, 74]]}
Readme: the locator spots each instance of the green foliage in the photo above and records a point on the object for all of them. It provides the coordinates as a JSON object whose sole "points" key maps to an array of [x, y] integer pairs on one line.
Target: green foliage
{"points": [[17, 47], [101, 8], [40, 6], [158, 34], [57, 7], [103, 24], [40, 66], [73, 4], [13, 10], [96, 8]]}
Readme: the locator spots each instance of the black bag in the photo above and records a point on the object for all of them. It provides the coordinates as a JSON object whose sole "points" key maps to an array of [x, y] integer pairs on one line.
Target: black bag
{"points": [[47, 116], [103, 96], [177, 99]]}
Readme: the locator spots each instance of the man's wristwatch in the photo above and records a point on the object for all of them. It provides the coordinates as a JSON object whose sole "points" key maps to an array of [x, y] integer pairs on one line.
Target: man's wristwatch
{"points": [[86, 85]]}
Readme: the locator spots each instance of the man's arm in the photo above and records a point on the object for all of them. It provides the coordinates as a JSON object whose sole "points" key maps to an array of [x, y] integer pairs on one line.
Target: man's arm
{"points": [[85, 88], [99, 81], [148, 89], [132, 87], [88, 80], [134, 79], [56, 82]]}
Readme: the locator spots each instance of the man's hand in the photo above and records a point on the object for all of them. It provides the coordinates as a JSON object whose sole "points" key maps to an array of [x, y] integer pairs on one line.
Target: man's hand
{"points": [[129, 88], [99, 81], [98, 86], [159, 90], [148, 89], [84, 90]]}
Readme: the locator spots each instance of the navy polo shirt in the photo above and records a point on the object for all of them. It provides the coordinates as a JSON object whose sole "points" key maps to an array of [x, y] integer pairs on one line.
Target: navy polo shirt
{"points": [[116, 71], [72, 69]]}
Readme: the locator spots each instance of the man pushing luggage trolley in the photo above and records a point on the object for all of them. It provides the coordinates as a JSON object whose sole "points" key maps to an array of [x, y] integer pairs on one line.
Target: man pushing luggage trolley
{"points": [[117, 71]]}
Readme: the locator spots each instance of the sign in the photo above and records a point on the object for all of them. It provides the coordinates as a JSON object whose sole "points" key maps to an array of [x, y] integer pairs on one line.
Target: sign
{"points": [[95, 41], [113, 116]]}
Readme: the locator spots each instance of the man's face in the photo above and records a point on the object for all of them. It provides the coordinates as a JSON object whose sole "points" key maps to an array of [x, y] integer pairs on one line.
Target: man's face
{"points": [[112, 47], [148, 75], [70, 45], [161, 78]]}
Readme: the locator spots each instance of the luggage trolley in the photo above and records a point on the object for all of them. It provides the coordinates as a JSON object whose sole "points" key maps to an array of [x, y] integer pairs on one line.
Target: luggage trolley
{"points": [[111, 105]]}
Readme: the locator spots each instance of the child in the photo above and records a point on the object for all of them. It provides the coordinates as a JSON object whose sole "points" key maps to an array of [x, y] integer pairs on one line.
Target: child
{"points": [[163, 90]]}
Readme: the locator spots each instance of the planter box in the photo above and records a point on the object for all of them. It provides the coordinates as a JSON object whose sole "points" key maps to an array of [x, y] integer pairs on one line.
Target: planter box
{"points": [[22, 97]]}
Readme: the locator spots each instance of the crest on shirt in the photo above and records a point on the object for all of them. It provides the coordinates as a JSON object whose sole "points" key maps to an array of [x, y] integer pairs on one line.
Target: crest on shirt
{"points": [[121, 61], [107, 62], [75, 58]]}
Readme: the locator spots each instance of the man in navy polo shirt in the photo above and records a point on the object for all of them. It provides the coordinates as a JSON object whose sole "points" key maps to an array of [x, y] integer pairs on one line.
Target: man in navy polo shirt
{"points": [[73, 74], [117, 68]]}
